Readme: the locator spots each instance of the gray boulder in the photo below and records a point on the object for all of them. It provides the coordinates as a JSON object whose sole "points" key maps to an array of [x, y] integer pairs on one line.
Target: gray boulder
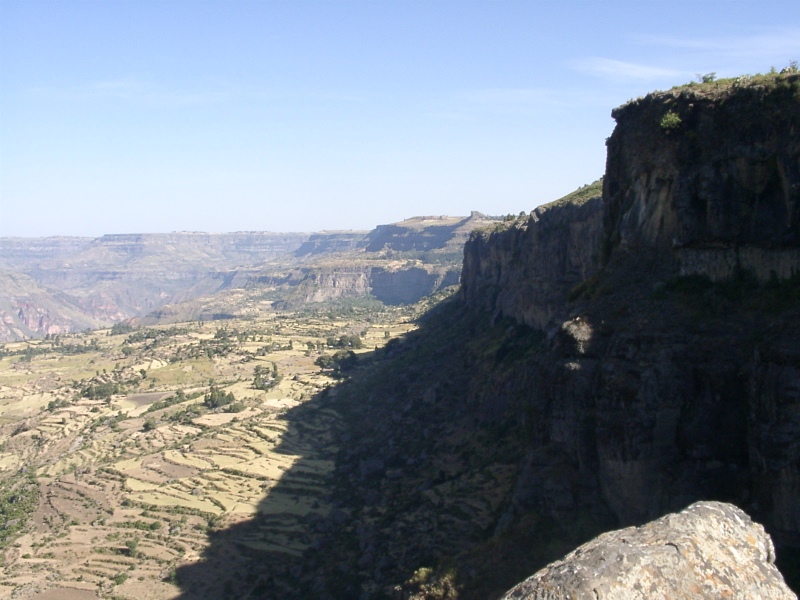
{"points": [[708, 550]]}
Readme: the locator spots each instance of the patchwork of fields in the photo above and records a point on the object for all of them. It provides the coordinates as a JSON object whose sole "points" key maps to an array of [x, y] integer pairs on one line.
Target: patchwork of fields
{"points": [[117, 469]]}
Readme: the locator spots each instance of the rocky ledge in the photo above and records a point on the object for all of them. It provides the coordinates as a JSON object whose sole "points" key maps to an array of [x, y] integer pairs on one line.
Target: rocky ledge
{"points": [[709, 550]]}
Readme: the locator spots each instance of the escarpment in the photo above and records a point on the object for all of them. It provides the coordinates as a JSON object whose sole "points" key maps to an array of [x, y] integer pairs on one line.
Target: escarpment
{"points": [[671, 309], [584, 379], [712, 173], [526, 270]]}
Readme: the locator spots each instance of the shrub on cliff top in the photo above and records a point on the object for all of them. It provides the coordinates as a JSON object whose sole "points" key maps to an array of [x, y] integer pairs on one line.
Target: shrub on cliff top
{"points": [[671, 120]]}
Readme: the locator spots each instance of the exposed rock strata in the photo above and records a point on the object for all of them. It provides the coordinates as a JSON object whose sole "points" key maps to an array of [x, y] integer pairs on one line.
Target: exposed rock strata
{"points": [[709, 550], [331, 241], [392, 285], [723, 186], [657, 390]]}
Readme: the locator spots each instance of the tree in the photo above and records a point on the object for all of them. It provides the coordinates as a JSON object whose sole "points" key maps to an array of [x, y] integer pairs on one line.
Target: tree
{"points": [[132, 544], [216, 397], [340, 362], [264, 379]]}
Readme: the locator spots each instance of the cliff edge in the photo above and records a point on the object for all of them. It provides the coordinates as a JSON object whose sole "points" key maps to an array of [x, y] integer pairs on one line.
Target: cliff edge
{"points": [[671, 310], [711, 172]]}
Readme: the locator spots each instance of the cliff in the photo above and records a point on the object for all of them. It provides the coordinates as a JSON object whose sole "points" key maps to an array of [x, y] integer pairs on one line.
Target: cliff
{"points": [[712, 173], [327, 242], [526, 268], [671, 309], [393, 282], [396, 264]]}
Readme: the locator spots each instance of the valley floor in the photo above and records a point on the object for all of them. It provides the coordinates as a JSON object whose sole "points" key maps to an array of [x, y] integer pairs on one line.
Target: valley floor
{"points": [[115, 475]]}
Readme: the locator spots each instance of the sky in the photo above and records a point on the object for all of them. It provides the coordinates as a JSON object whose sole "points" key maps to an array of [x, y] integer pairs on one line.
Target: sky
{"points": [[170, 115]]}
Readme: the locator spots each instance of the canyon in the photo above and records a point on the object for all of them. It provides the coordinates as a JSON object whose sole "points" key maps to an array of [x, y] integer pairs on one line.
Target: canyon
{"points": [[62, 285], [609, 359]]}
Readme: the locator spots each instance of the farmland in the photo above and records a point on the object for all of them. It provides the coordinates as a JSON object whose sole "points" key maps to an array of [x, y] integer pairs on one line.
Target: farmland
{"points": [[121, 467]]}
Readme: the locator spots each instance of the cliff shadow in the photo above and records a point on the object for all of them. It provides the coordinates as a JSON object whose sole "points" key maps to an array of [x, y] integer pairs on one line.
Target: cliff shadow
{"points": [[475, 450], [262, 556], [401, 477]]}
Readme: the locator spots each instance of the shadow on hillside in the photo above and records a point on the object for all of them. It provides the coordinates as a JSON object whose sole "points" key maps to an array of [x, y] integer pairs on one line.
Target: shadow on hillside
{"points": [[262, 557], [423, 478], [285, 550], [334, 545], [432, 472]]}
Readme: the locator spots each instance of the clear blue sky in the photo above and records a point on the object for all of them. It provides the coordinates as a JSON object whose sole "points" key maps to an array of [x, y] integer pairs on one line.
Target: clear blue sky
{"points": [[147, 115]]}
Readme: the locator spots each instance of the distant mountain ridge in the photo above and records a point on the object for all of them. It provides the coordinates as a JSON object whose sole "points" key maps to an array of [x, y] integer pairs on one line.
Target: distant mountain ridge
{"points": [[73, 283]]}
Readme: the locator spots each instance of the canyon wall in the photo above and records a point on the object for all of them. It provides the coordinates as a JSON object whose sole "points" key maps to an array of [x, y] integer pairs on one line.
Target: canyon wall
{"points": [[656, 389], [527, 269], [392, 284], [713, 173]]}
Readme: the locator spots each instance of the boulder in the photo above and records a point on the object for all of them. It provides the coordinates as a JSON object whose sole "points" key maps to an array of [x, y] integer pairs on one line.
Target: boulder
{"points": [[708, 550]]}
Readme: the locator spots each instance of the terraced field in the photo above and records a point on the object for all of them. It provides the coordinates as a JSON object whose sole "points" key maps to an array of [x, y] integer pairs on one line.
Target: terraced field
{"points": [[135, 470]]}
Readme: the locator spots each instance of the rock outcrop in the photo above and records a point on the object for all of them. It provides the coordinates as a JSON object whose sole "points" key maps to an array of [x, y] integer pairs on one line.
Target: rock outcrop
{"points": [[709, 550]]}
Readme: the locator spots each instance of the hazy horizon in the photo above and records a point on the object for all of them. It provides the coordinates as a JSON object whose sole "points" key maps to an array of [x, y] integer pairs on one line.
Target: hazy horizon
{"points": [[130, 117]]}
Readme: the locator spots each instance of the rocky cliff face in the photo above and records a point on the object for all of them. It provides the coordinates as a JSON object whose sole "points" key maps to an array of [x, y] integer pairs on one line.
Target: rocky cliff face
{"points": [[392, 282], [395, 264], [526, 269], [331, 241], [713, 173], [709, 550], [657, 388], [29, 310], [426, 234]]}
